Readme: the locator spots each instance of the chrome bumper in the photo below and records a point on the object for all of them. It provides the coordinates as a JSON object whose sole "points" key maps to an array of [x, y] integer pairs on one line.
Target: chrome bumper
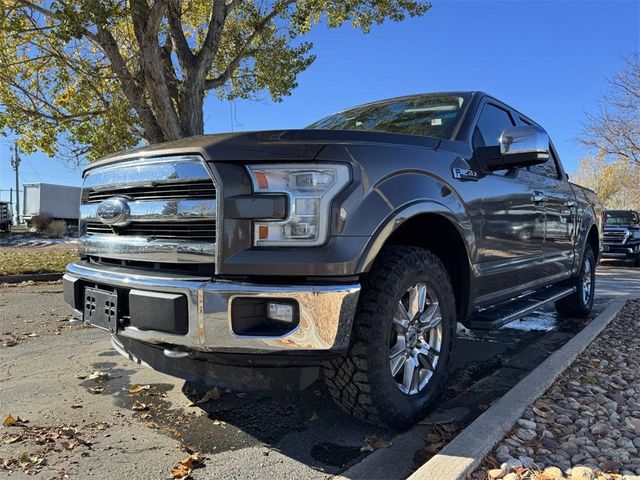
{"points": [[326, 312]]}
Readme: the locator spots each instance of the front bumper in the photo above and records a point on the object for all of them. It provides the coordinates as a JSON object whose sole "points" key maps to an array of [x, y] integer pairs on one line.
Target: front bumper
{"points": [[628, 250], [326, 312]]}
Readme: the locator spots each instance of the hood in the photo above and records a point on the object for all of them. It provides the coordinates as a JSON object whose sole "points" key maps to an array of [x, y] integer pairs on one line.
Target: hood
{"points": [[269, 145]]}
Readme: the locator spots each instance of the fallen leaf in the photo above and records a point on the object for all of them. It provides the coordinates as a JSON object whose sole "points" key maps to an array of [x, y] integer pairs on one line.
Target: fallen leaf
{"points": [[152, 426], [314, 416], [539, 412], [139, 406], [433, 438], [180, 471], [11, 438], [31, 335], [184, 468], [434, 447], [76, 405], [138, 388], [213, 394], [10, 342], [373, 442], [145, 416], [9, 421], [27, 460], [99, 376], [96, 390]]}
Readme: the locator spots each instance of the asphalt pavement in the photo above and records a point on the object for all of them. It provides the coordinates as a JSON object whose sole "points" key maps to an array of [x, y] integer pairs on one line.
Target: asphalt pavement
{"points": [[86, 424]]}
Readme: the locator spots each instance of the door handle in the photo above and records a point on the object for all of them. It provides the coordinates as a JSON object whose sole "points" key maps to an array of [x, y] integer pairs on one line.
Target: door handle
{"points": [[538, 197], [570, 203]]}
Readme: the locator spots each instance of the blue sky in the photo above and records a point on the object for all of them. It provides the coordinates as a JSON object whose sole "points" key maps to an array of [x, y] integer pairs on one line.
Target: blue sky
{"points": [[549, 59]]}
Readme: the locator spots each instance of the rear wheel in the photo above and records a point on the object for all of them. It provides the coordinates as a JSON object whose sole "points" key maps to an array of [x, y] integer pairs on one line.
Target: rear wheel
{"points": [[580, 303], [402, 340]]}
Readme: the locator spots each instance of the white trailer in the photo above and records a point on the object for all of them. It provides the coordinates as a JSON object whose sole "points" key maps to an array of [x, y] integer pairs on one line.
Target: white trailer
{"points": [[59, 202]]}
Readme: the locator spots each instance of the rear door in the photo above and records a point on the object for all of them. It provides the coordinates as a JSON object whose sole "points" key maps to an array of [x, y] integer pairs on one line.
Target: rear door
{"points": [[560, 216]]}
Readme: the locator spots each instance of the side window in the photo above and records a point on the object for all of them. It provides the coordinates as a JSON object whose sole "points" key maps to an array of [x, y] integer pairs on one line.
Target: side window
{"points": [[550, 167], [492, 121]]}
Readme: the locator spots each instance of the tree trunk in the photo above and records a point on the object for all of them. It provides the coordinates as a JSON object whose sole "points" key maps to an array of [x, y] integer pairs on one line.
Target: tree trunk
{"points": [[191, 110]]}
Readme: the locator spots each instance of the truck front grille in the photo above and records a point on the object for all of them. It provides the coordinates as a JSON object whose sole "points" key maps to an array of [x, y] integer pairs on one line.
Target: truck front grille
{"points": [[157, 210], [616, 237]]}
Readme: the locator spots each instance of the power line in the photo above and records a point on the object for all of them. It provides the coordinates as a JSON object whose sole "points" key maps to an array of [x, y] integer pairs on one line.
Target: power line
{"points": [[33, 169]]}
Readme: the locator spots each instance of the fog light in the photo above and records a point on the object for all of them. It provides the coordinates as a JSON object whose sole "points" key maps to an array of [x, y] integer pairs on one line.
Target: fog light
{"points": [[280, 312]]}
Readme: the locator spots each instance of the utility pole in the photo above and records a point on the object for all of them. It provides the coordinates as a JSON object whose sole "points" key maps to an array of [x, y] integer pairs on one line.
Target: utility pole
{"points": [[15, 163]]}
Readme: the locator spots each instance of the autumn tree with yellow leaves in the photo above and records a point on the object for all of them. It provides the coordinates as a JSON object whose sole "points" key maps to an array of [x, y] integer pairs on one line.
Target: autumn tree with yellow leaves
{"points": [[85, 78]]}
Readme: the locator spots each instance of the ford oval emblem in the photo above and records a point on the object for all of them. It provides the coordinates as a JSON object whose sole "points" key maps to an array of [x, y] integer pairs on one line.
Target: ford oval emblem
{"points": [[114, 211]]}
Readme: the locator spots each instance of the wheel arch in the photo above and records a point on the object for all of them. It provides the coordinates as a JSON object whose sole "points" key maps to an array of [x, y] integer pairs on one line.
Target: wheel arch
{"points": [[432, 226]]}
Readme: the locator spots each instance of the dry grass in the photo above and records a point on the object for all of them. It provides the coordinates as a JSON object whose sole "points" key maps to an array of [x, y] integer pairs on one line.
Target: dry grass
{"points": [[20, 261]]}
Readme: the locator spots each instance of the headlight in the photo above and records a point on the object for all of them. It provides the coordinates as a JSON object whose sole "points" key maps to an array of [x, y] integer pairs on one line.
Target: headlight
{"points": [[311, 188], [635, 234]]}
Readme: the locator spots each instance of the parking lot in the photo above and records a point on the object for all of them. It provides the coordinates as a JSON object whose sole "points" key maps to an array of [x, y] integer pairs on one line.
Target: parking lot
{"points": [[90, 412]]}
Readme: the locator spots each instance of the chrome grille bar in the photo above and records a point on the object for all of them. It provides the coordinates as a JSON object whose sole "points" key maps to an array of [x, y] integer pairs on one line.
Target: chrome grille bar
{"points": [[160, 210]]}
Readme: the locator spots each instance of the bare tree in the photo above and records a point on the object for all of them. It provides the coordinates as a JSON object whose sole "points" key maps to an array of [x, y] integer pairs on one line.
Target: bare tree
{"points": [[615, 128]]}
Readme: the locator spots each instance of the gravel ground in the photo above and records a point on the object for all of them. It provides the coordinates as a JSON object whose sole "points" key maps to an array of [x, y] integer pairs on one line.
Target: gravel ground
{"points": [[587, 425]]}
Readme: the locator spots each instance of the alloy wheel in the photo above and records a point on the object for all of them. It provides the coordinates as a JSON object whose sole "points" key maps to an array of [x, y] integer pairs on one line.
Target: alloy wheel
{"points": [[416, 339]]}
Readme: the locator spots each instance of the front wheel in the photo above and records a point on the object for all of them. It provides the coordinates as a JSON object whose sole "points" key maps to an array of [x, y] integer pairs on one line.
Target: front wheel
{"points": [[403, 336], [580, 303]]}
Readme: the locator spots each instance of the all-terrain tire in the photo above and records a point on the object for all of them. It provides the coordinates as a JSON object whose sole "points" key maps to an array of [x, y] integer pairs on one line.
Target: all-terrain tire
{"points": [[360, 381], [579, 305]]}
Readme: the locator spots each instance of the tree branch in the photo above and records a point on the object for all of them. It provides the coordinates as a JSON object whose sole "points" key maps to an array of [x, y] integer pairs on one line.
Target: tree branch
{"points": [[174, 19]]}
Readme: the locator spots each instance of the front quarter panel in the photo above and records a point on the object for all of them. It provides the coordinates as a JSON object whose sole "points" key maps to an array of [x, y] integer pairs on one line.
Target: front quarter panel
{"points": [[397, 184]]}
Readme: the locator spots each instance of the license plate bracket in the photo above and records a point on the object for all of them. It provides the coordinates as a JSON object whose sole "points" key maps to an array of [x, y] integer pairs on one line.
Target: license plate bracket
{"points": [[101, 309]]}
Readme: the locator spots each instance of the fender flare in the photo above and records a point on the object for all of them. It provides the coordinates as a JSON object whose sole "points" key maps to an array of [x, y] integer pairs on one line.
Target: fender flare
{"points": [[400, 216]]}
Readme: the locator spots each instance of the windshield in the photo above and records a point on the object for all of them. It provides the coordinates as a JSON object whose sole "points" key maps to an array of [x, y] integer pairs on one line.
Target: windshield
{"points": [[621, 218], [433, 115]]}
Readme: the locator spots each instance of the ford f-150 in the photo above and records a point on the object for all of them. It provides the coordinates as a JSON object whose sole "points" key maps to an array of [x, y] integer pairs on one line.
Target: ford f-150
{"points": [[352, 247]]}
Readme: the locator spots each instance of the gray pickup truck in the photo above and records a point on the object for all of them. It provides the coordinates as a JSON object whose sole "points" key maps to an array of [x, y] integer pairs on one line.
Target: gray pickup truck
{"points": [[351, 248]]}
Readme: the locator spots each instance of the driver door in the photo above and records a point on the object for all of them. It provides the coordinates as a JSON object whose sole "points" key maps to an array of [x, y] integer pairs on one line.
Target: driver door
{"points": [[512, 228]]}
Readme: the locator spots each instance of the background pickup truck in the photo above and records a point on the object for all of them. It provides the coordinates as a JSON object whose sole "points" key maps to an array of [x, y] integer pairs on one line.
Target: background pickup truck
{"points": [[621, 238], [354, 246]]}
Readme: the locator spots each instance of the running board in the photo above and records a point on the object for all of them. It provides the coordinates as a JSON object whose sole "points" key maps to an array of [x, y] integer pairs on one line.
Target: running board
{"points": [[505, 313]]}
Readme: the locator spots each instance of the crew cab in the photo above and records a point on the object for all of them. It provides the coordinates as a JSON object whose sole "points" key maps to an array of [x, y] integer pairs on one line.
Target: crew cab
{"points": [[352, 248], [621, 238]]}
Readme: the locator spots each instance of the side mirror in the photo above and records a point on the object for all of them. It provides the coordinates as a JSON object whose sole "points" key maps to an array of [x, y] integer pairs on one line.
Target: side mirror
{"points": [[518, 147]]}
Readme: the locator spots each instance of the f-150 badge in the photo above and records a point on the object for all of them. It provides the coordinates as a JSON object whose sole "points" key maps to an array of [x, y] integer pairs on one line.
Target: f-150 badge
{"points": [[464, 173]]}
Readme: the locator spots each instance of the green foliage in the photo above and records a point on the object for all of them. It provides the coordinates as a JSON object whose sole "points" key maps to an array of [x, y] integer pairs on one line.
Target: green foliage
{"points": [[84, 78]]}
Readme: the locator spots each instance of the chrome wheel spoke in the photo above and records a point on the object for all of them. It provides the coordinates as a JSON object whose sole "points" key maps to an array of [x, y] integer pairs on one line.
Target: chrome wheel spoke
{"points": [[399, 348], [397, 362], [417, 299], [431, 318], [409, 374], [401, 318]]}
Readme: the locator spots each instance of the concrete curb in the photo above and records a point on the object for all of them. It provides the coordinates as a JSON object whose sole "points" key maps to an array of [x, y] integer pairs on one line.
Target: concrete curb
{"points": [[36, 277], [465, 452]]}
